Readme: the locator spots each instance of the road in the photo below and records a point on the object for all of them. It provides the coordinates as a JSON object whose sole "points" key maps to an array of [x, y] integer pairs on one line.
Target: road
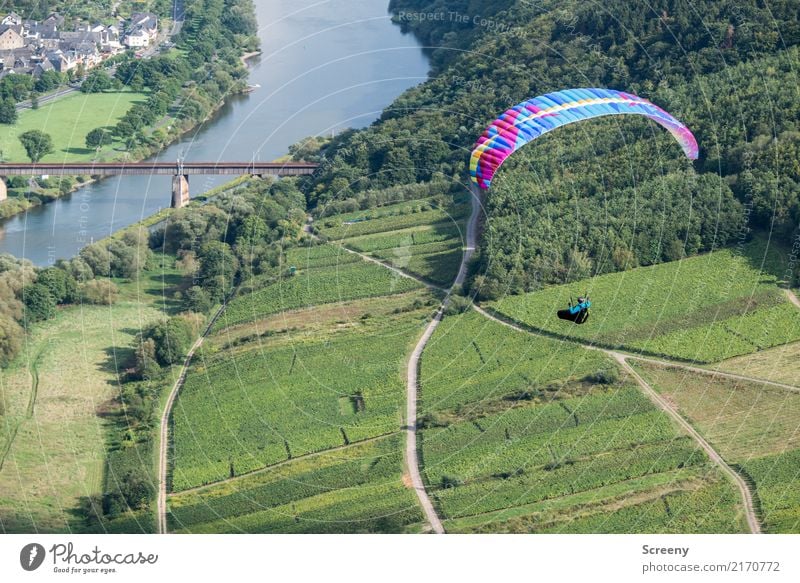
{"points": [[412, 376], [154, 48], [622, 359], [23, 105], [163, 457]]}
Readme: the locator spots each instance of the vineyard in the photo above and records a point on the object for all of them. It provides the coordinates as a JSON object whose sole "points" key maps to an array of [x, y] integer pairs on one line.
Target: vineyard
{"points": [[704, 309], [308, 495], [471, 360], [740, 419], [325, 281], [754, 427], [529, 434], [777, 482], [285, 395], [412, 236]]}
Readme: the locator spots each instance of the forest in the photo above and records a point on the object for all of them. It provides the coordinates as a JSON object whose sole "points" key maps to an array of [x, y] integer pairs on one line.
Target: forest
{"points": [[604, 196]]}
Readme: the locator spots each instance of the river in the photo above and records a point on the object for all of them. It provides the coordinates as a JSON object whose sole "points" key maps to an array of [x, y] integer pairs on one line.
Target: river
{"points": [[325, 66]]}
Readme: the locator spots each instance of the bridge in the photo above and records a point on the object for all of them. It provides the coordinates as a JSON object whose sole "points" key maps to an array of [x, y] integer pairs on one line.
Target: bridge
{"points": [[180, 171]]}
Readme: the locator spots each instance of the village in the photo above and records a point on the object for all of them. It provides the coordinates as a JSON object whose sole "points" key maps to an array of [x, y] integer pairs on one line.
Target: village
{"points": [[29, 47]]}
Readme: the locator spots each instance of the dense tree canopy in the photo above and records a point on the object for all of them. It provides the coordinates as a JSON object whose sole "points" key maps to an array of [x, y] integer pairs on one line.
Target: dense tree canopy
{"points": [[610, 193]]}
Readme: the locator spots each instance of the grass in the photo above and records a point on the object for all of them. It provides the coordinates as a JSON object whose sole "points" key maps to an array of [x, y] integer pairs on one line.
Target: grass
{"points": [[306, 491], [777, 480], [740, 419], [68, 120], [316, 286], [279, 395], [704, 309], [530, 434], [780, 364], [755, 427], [69, 375], [471, 360]]}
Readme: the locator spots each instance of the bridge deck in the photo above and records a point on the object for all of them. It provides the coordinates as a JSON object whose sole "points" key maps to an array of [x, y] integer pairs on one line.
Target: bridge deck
{"points": [[162, 168]]}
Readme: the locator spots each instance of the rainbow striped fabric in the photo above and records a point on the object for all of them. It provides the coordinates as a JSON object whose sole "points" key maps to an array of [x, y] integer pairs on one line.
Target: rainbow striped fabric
{"points": [[530, 119]]}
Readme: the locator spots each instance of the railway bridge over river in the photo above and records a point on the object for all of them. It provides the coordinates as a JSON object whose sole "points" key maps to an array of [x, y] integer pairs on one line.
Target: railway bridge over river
{"points": [[180, 171]]}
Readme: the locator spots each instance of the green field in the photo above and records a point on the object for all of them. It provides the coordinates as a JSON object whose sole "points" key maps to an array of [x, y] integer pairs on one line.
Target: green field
{"points": [[755, 427], [355, 489], [413, 236], [777, 480], [68, 120], [329, 282], [780, 364], [58, 398], [286, 394], [529, 434], [704, 309]]}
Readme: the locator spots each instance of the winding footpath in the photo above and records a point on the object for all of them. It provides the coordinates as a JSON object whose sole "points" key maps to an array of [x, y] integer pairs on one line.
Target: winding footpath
{"points": [[664, 405], [164, 432], [412, 378]]}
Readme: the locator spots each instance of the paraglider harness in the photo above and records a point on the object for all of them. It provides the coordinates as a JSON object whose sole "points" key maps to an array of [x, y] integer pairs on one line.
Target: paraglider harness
{"points": [[577, 313]]}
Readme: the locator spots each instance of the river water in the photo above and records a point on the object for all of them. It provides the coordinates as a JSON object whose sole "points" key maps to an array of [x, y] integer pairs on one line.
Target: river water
{"points": [[325, 65]]}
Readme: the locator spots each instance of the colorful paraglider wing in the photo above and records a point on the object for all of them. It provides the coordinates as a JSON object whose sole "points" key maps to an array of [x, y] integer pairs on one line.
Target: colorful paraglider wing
{"points": [[530, 119]]}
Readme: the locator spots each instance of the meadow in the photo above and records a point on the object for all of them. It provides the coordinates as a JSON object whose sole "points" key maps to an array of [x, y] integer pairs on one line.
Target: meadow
{"points": [[532, 434], [780, 364], [703, 309], [68, 120], [58, 397]]}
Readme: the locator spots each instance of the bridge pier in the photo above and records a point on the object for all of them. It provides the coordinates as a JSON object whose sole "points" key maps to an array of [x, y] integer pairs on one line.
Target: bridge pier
{"points": [[3, 189], [180, 191]]}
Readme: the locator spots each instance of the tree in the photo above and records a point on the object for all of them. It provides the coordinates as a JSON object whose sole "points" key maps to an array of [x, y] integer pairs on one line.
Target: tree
{"points": [[39, 303], [62, 285], [172, 340], [98, 137], [8, 112], [37, 144], [99, 291], [196, 299], [97, 82], [11, 336]]}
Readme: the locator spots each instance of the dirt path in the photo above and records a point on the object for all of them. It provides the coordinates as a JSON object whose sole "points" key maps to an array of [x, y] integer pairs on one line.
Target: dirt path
{"points": [[744, 490], [792, 297], [664, 405], [163, 462], [412, 379]]}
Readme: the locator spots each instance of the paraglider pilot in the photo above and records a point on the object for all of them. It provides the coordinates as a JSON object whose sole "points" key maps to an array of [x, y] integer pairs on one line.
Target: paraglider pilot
{"points": [[577, 313]]}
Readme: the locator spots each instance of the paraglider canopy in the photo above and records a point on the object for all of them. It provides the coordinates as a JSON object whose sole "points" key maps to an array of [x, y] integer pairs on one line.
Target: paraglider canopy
{"points": [[529, 120]]}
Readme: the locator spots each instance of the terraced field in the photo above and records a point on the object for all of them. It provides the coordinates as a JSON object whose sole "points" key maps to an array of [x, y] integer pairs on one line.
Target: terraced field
{"points": [[704, 309], [258, 400], [325, 277], [528, 434], [414, 236], [755, 427], [354, 489]]}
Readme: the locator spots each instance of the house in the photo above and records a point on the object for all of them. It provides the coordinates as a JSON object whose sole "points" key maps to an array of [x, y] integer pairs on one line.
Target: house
{"points": [[137, 39], [42, 67], [61, 61], [142, 30], [12, 19], [11, 37]]}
